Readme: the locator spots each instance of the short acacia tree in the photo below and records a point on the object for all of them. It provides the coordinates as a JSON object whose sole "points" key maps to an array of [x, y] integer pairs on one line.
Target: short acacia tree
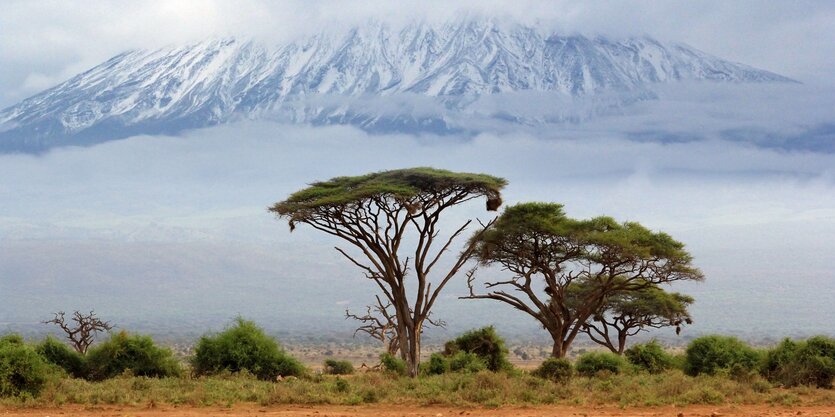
{"points": [[627, 313], [551, 256], [391, 219]]}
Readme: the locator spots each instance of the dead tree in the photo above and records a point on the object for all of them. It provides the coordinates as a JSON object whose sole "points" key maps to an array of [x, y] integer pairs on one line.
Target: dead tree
{"points": [[82, 334], [381, 324]]}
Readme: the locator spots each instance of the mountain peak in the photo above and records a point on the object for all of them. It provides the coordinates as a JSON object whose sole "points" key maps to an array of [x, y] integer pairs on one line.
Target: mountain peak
{"points": [[348, 76]]}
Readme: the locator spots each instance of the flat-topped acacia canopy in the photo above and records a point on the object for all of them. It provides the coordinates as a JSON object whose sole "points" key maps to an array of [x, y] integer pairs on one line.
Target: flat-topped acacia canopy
{"points": [[541, 247], [375, 212], [546, 224], [405, 185]]}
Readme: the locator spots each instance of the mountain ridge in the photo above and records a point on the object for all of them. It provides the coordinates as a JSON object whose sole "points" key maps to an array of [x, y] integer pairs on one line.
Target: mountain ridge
{"points": [[422, 78]]}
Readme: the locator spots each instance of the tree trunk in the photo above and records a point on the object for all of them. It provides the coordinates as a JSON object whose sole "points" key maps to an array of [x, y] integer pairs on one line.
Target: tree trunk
{"points": [[413, 359], [393, 346], [621, 343], [403, 336], [409, 336], [557, 351], [560, 348]]}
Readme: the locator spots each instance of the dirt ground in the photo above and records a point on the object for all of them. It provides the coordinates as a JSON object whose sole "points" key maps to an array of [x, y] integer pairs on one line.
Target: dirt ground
{"points": [[413, 411]]}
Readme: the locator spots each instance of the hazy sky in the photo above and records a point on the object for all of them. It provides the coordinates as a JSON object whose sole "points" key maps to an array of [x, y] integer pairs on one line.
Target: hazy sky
{"points": [[45, 42], [158, 224]]}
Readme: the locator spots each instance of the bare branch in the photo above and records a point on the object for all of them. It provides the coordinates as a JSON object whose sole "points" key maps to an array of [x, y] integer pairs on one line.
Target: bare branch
{"points": [[82, 334]]}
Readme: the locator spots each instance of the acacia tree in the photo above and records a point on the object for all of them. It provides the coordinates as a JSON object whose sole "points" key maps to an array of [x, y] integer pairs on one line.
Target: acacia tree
{"points": [[391, 219], [628, 313], [549, 255]]}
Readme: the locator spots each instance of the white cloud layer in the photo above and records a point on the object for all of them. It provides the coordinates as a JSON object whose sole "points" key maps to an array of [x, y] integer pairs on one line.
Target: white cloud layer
{"points": [[172, 219]]}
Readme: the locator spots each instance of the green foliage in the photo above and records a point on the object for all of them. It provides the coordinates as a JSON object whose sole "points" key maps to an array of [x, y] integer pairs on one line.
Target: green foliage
{"points": [[243, 346], [540, 238], [335, 367], [342, 385], [555, 369], [593, 363], [712, 354], [652, 301], [437, 365], [11, 339], [460, 362], [393, 364], [650, 357], [457, 390], [485, 343], [400, 184], [521, 222], [466, 362], [22, 370], [136, 354], [58, 353], [290, 366], [629, 311], [679, 361], [810, 362]]}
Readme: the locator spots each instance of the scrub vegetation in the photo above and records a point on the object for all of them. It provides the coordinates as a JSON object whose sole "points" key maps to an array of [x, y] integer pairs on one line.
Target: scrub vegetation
{"points": [[243, 365]]}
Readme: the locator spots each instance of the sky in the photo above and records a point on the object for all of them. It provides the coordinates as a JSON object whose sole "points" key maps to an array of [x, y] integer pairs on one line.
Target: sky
{"points": [[157, 224]]}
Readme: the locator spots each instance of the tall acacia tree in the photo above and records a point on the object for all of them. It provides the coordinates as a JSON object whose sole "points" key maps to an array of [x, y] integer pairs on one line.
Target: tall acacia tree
{"points": [[550, 255], [391, 219], [628, 313]]}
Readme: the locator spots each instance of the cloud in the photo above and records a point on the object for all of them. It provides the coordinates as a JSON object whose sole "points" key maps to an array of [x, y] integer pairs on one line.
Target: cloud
{"points": [[172, 219]]}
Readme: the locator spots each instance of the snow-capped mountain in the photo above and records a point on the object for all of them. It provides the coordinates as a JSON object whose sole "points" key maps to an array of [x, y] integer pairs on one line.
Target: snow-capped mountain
{"points": [[423, 77]]}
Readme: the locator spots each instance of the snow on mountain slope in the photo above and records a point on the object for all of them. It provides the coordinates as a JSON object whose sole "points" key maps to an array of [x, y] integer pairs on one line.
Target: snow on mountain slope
{"points": [[419, 78]]}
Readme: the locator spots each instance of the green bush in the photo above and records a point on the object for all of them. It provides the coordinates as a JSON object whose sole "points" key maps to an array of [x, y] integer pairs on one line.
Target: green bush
{"points": [[650, 357], [22, 370], [437, 365], [592, 363], [335, 367], [11, 339], [136, 354], [243, 346], [342, 385], [811, 362], [462, 362], [679, 361], [393, 364], [555, 369], [714, 354], [466, 362], [61, 355], [484, 343], [779, 360]]}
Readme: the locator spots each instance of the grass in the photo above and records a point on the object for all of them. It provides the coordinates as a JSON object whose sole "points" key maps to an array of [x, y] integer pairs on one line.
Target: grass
{"points": [[480, 389]]}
